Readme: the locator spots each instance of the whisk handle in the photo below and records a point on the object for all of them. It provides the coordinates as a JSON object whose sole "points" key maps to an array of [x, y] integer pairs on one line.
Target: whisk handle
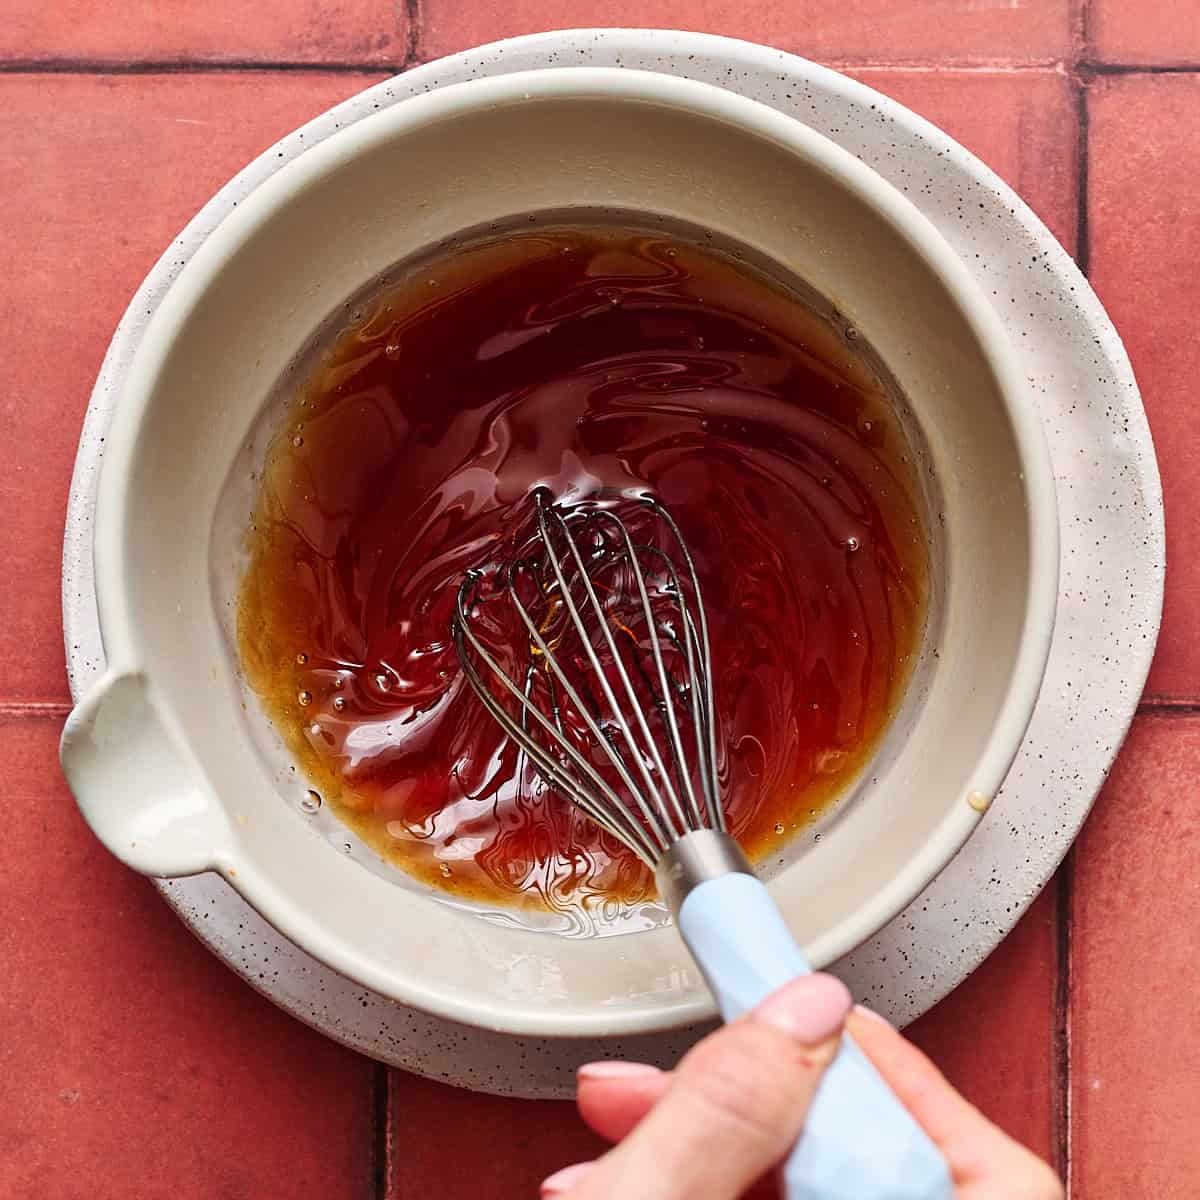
{"points": [[859, 1141]]}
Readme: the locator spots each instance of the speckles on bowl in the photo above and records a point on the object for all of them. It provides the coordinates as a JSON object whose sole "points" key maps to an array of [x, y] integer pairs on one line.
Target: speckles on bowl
{"points": [[1109, 603]]}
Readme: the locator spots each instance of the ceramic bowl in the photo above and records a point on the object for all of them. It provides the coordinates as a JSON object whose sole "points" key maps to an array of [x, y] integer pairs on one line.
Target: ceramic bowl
{"points": [[161, 755]]}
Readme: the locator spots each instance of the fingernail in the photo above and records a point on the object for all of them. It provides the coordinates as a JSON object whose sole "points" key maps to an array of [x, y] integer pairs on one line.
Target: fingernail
{"points": [[871, 1015], [611, 1068], [811, 1009], [556, 1184]]}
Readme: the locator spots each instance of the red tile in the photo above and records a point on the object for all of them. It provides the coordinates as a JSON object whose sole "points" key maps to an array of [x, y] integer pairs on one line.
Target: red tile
{"points": [[1144, 142], [309, 31], [1023, 124], [1135, 963], [852, 31], [134, 1063], [445, 1142], [109, 170], [994, 1035], [1165, 33]]}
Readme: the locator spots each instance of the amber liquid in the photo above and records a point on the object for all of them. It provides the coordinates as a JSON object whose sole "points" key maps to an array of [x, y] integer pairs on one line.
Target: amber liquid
{"points": [[578, 358]]}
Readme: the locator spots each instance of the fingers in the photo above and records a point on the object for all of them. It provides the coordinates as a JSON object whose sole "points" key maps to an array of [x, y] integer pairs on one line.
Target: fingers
{"points": [[920, 1086], [614, 1096], [731, 1110], [985, 1163]]}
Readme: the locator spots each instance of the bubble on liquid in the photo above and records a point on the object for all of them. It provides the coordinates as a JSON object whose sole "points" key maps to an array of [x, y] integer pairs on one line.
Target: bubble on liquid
{"points": [[392, 351], [445, 869], [867, 427], [826, 481], [778, 826], [297, 441], [851, 333], [339, 703], [851, 544], [816, 837], [315, 730], [347, 848], [339, 683], [302, 658], [310, 802], [305, 697]]}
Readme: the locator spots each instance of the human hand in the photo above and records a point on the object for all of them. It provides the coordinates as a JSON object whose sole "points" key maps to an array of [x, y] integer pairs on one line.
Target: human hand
{"points": [[736, 1104]]}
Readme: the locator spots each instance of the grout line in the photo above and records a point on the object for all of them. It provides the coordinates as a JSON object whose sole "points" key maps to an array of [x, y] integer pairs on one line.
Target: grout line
{"points": [[381, 1133], [1065, 897], [34, 708], [1061, 1033], [413, 56], [1162, 706], [1083, 248], [1091, 68], [412, 52], [74, 66], [985, 66], [1083, 32]]}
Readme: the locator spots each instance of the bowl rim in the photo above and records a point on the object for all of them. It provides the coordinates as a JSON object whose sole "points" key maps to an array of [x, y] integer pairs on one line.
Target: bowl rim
{"points": [[113, 586]]}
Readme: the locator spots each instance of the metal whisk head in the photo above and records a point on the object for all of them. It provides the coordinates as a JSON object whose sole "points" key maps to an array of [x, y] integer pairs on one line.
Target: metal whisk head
{"points": [[589, 646]]}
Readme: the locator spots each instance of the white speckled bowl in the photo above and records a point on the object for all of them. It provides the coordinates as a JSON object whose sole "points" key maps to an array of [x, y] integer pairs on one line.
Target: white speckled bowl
{"points": [[158, 753]]}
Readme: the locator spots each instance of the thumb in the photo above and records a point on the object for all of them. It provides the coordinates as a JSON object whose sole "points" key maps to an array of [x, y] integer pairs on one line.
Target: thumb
{"points": [[735, 1106]]}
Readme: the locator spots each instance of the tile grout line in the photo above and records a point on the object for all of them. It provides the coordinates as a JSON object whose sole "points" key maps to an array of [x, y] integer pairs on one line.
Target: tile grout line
{"points": [[1089, 67], [81, 66], [413, 56], [1061, 1033], [416, 19], [1065, 898], [1081, 32], [1163, 707], [380, 1187], [34, 708]]}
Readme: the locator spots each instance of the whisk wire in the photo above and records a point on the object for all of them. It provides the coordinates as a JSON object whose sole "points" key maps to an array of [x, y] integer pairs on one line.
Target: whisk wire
{"points": [[545, 511], [597, 720], [668, 709], [687, 647], [706, 732], [612, 819], [602, 741]]}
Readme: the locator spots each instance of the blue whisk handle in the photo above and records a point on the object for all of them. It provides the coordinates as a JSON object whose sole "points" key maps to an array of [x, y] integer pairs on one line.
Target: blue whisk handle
{"points": [[859, 1142]]}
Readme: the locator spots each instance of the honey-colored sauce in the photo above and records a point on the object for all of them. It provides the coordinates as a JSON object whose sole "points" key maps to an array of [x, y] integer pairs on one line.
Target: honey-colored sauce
{"points": [[577, 358]]}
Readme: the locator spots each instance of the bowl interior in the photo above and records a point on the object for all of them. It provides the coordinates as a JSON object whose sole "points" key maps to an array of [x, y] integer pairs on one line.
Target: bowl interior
{"points": [[465, 156]]}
